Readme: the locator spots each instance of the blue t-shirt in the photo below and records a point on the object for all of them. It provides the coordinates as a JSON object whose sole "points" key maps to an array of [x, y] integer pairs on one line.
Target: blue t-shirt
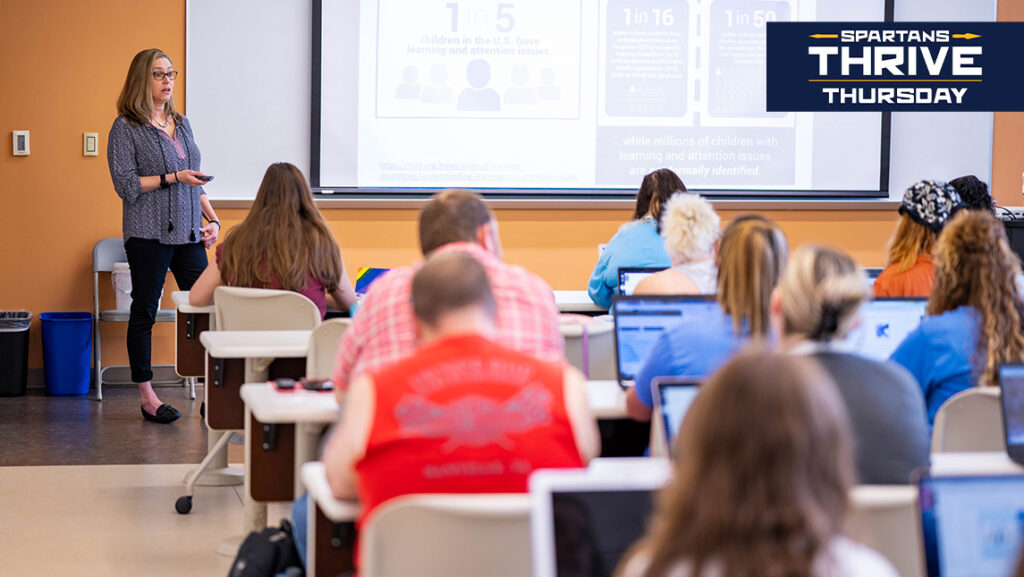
{"points": [[636, 244], [939, 352], [696, 347]]}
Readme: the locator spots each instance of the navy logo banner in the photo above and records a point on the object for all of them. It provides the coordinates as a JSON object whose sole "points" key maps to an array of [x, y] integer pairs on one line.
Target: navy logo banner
{"points": [[822, 66]]}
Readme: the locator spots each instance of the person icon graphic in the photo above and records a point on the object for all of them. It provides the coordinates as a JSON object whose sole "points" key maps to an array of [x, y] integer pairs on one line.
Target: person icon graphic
{"points": [[478, 96], [519, 92], [410, 87], [548, 90], [438, 91]]}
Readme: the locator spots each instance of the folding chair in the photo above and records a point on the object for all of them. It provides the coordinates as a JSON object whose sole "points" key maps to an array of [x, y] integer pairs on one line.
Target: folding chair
{"points": [[105, 253]]}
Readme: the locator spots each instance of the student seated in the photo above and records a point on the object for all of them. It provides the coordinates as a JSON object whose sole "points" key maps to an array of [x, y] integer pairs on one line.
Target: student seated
{"points": [[815, 305], [974, 313], [925, 208], [463, 400], [283, 243], [974, 193], [752, 255], [453, 221], [690, 227], [637, 243], [763, 467]]}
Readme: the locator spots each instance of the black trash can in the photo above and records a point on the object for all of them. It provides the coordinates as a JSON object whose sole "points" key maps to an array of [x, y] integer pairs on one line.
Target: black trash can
{"points": [[14, 352]]}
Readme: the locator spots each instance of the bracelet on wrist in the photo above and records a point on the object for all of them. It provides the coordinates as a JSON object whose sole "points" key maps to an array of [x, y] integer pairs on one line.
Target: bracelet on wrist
{"points": [[214, 221]]}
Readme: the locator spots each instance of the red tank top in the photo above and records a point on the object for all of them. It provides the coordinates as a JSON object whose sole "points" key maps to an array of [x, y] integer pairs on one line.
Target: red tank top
{"points": [[464, 415]]}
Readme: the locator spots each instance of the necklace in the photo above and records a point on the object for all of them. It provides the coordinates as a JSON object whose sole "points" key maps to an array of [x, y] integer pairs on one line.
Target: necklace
{"points": [[161, 124]]}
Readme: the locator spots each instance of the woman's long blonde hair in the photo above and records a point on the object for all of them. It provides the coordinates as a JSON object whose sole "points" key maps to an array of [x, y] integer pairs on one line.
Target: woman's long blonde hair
{"points": [[975, 266], [284, 236], [821, 292], [751, 258], [136, 100], [763, 464], [910, 240]]}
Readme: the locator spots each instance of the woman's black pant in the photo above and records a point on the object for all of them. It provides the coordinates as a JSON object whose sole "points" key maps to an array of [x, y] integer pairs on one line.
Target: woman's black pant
{"points": [[149, 261]]}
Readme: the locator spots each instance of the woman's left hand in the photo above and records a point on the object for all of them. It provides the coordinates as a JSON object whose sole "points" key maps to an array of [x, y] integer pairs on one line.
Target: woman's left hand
{"points": [[210, 232]]}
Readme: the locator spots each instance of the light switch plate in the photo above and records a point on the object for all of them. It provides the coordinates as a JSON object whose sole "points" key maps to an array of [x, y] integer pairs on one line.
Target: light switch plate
{"points": [[90, 143], [19, 142]]}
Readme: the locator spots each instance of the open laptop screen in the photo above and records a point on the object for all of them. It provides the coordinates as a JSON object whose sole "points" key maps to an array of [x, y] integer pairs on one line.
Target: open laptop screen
{"points": [[885, 322], [630, 276], [641, 320], [972, 525], [1011, 381], [674, 397], [584, 521]]}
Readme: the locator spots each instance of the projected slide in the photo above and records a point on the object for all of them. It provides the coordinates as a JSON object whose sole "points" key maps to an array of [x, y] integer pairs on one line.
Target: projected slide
{"points": [[577, 94]]}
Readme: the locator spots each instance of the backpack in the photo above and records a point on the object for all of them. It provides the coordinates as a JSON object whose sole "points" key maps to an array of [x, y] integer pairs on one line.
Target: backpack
{"points": [[267, 553]]}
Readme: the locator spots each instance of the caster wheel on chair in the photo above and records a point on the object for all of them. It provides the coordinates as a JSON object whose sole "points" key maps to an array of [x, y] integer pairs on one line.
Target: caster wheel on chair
{"points": [[183, 505]]}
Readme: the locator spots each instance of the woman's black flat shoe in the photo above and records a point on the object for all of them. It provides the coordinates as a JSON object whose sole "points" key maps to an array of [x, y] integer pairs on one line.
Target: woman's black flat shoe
{"points": [[164, 414]]}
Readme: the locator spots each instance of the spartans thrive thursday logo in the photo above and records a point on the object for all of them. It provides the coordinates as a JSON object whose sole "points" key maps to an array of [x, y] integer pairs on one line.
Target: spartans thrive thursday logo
{"points": [[829, 66]]}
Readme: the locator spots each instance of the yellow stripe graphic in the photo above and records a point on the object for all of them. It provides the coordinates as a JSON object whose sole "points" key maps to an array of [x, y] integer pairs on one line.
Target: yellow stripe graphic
{"points": [[829, 36], [967, 36]]}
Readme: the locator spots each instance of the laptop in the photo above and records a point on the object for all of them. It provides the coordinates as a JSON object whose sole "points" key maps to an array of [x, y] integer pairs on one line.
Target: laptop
{"points": [[972, 526], [366, 276], [672, 399], [630, 276], [641, 320], [1011, 381], [885, 322], [582, 521]]}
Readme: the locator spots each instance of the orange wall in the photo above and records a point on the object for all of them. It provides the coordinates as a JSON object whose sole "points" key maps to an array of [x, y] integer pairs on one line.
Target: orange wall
{"points": [[62, 63]]}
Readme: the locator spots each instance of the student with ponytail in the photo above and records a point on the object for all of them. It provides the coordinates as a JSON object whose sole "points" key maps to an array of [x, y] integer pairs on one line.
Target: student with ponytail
{"points": [[751, 258], [815, 305]]}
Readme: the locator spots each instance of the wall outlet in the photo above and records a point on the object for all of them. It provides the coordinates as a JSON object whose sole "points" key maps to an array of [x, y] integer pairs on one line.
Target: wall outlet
{"points": [[90, 143], [19, 142]]}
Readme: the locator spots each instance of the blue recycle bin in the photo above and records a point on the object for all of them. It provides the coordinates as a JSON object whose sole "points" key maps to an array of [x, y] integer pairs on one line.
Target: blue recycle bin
{"points": [[67, 353]]}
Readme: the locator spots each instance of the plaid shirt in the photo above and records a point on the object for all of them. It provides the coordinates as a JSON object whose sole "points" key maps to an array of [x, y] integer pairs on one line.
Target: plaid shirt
{"points": [[384, 329]]}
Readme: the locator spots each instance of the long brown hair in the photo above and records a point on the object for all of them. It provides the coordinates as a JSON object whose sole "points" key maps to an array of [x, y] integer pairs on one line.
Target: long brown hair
{"points": [[910, 240], [136, 100], [655, 190], [763, 464], [284, 236], [821, 292], [751, 258], [974, 266]]}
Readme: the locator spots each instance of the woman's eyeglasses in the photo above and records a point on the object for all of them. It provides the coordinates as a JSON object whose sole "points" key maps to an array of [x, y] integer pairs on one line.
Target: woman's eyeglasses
{"points": [[159, 75]]}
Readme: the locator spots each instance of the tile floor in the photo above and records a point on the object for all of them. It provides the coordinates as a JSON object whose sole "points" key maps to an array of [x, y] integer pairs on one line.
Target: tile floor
{"points": [[111, 512]]}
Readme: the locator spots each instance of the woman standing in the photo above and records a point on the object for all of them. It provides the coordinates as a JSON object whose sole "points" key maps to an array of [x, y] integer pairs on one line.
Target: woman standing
{"points": [[154, 163]]}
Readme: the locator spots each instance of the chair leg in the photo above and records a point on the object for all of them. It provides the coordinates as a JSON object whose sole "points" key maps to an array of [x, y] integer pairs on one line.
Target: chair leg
{"points": [[98, 347]]}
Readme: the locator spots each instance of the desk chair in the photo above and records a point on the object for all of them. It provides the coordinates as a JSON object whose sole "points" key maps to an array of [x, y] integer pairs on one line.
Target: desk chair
{"points": [[105, 253], [449, 535], [248, 309], [589, 345], [323, 348], [969, 421], [885, 518]]}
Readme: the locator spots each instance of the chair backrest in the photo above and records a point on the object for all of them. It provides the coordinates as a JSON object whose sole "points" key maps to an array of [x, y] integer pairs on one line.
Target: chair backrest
{"points": [[598, 361], [970, 421], [450, 535], [323, 348], [106, 252], [885, 518], [252, 309]]}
